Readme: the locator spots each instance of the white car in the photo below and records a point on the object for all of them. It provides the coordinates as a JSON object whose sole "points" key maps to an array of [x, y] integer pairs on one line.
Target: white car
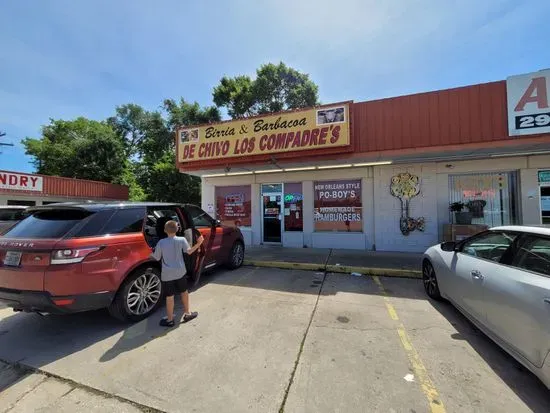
{"points": [[500, 280], [9, 216]]}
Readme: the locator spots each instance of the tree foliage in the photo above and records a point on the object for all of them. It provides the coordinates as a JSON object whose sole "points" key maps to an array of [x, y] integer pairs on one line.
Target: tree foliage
{"points": [[81, 148], [159, 172], [276, 88], [149, 139]]}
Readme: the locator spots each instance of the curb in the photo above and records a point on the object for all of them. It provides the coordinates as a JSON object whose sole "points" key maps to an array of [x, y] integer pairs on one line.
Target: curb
{"points": [[340, 269], [285, 265]]}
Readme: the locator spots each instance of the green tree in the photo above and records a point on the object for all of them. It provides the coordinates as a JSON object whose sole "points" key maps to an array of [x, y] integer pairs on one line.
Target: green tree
{"points": [[130, 179], [149, 139], [159, 175], [166, 184], [236, 94], [129, 123], [183, 113], [80, 148], [276, 88], [143, 132]]}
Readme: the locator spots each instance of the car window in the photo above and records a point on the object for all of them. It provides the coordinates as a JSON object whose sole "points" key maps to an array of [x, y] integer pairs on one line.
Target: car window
{"points": [[199, 217], [48, 224], [490, 246], [156, 218], [125, 221], [11, 214], [94, 225], [534, 255]]}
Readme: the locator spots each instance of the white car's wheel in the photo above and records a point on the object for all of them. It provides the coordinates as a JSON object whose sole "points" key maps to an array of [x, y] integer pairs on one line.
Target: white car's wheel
{"points": [[429, 278]]}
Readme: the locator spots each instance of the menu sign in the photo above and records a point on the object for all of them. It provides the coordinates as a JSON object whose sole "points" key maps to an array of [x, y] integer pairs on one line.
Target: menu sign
{"points": [[338, 206], [233, 205]]}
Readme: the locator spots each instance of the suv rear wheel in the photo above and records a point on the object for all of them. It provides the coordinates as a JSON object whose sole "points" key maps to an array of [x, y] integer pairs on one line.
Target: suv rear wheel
{"points": [[236, 256], [139, 296]]}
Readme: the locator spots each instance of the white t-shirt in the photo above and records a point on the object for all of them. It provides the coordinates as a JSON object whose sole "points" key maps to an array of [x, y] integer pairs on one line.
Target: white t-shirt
{"points": [[170, 252]]}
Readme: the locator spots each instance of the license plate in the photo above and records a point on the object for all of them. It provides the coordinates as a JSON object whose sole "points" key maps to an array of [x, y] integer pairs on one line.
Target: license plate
{"points": [[12, 258]]}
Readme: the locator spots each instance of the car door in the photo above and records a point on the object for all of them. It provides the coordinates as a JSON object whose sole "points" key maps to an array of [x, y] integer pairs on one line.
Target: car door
{"points": [[157, 216], [478, 258], [212, 233], [518, 299]]}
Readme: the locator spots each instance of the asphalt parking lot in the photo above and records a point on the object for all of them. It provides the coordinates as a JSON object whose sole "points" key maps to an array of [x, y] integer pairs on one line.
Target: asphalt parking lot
{"points": [[269, 340]]}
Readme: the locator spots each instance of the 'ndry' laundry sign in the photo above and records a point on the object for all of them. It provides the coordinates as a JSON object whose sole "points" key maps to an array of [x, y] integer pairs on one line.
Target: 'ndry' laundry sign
{"points": [[21, 182]]}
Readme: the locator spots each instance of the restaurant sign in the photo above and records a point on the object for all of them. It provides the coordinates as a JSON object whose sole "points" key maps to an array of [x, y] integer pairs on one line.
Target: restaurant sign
{"points": [[317, 128]]}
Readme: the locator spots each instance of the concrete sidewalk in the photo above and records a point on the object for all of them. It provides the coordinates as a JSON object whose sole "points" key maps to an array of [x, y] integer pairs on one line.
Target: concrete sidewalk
{"points": [[397, 264]]}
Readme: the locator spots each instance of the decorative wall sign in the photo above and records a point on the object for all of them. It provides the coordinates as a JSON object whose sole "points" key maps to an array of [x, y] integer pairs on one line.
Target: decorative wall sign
{"points": [[406, 186]]}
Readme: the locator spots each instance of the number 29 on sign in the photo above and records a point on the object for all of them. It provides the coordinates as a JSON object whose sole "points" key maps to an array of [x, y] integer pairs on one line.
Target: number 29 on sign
{"points": [[533, 121]]}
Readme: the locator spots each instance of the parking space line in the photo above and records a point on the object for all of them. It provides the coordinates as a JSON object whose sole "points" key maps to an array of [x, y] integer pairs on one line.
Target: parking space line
{"points": [[436, 405]]}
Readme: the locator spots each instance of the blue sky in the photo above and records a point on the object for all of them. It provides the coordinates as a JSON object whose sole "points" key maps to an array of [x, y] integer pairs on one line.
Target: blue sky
{"points": [[66, 58]]}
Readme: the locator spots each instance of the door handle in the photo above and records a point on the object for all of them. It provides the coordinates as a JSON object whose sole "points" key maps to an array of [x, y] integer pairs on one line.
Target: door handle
{"points": [[546, 300], [476, 275]]}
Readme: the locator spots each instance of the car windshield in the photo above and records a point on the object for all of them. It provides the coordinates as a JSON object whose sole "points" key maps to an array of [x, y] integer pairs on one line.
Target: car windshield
{"points": [[47, 224]]}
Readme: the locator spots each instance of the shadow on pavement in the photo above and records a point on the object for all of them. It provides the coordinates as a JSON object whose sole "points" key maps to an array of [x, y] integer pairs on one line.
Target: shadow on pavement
{"points": [[139, 334], [525, 384]]}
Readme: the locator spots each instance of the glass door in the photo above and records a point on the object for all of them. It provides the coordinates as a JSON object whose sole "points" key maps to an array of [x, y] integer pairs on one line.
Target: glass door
{"points": [[272, 195], [544, 182], [545, 204]]}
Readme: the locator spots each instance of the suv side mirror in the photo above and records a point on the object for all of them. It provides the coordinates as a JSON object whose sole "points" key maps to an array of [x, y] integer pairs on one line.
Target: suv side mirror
{"points": [[449, 246]]}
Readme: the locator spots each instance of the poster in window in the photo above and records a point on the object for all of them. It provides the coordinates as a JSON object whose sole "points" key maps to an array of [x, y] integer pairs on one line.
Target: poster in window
{"points": [[338, 206], [233, 205]]}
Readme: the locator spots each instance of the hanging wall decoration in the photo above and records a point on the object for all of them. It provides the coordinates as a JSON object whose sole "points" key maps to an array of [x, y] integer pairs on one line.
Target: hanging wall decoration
{"points": [[406, 186]]}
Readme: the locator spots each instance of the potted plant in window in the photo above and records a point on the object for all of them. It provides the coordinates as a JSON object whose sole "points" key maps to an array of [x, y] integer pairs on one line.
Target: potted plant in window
{"points": [[461, 217], [476, 207]]}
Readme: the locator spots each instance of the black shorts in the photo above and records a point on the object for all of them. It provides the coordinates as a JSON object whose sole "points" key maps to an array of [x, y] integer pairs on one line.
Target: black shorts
{"points": [[175, 286]]}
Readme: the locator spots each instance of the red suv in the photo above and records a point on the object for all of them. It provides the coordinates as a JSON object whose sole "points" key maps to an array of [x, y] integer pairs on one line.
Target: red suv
{"points": [[72, 257]]}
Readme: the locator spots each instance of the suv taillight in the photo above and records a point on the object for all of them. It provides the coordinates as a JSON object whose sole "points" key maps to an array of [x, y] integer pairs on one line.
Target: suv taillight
{"points": [[71, 256]]}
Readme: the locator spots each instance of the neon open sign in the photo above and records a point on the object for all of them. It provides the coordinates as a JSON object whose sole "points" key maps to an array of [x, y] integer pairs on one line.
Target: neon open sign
{"points": [[291, 198]]}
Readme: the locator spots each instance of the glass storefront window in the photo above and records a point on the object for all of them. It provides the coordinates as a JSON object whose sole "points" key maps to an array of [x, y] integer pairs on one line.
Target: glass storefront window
{"points": [[293, 207], [489, 198], [337, 206], [233, 205]]}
